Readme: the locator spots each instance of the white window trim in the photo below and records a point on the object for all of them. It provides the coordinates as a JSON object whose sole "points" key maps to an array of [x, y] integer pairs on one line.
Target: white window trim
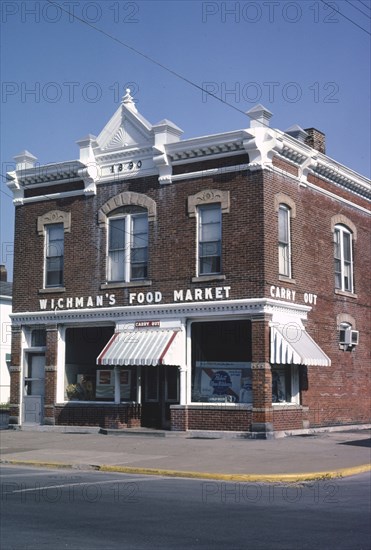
{"points": [[342, 230]]}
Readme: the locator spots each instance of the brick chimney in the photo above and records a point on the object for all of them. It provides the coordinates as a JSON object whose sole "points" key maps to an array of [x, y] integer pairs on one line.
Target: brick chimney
{"points": [[3, 273], [316, 139]]}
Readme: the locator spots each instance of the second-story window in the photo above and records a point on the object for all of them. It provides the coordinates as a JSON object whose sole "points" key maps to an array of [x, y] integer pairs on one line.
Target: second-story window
{"points": [[128, 244], [209, 239], [284, 241], [54, 254], [343, 258]]}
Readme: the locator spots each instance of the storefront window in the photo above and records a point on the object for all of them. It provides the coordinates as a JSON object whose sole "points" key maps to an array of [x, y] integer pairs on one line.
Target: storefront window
{"points": [[221, 362], [285, 384], [83, 380]]}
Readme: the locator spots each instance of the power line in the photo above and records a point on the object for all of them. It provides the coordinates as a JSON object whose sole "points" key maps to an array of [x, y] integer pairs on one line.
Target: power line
{"points": [[355, 7], [331, 6], [148, 58], [365, 5]]}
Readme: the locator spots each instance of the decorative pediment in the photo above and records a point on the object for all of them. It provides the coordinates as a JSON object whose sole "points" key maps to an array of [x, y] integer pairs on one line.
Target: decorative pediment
{"points": [[127, 128], [127, 135]]}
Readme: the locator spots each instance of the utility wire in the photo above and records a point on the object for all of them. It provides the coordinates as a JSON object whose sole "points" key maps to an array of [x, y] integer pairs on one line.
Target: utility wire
{"points": [[331, 6], [365, 5], [148, 58], [355, 7]]}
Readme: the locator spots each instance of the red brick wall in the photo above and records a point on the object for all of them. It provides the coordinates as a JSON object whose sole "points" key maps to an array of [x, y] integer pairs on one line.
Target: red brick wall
{"points": [[216, 418], [104, 416], [334, 394], [340, 393]]}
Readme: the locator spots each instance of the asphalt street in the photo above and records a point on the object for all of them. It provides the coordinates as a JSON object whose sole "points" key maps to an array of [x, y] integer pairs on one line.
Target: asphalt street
{"points": [[81, 510]]}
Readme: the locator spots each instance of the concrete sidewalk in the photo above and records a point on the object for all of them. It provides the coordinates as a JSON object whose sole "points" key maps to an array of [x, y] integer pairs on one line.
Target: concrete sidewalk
{"points": [[293, 458]]}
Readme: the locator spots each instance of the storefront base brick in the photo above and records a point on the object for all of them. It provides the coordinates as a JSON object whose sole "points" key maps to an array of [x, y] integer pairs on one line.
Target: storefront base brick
{"points": [[214, 418], [226, 418], [104, 416]]}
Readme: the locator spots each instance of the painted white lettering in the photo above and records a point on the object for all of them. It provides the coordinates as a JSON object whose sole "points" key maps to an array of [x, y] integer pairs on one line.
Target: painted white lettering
{"points": [[226, 290], [99, 301], [208, 293], [278, 293], [69, 303], [149, 297], [60, 303], [43, 304], [272, 290], [132, 297], [79, 302], [89, 303], [198, 293], [293, 295], [188, 296], [112, 299], [288, 294], [52, 303], [283, 293], [158, 296], [218, 292], [314, 299], [140, 297], [178, 295]]}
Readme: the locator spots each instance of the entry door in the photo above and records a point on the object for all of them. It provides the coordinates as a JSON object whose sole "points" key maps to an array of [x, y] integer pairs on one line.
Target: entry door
{"points": [[161, 389], [34, 388]]}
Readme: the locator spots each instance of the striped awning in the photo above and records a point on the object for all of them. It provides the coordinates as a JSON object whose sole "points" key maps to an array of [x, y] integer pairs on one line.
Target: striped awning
{"points": [[292, 345], [142, 347]]}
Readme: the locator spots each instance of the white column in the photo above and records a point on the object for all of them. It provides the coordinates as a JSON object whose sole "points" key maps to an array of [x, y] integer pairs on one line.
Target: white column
{"points": [[139, 385], [183, 385], [116, 372], [61, 364]]}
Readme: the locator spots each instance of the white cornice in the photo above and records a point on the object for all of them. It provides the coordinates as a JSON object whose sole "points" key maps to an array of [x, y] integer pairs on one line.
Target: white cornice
{"points": [[248, 307], [260, 143]]}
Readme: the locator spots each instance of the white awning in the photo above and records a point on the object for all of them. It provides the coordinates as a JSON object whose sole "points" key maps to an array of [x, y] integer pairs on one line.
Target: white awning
{"points": [[292, 345], [143, 347]]}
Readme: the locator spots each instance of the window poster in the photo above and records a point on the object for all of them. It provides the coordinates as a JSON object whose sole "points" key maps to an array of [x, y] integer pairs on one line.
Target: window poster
{"points": [[278, 386], [223, 382], [106, 384]]}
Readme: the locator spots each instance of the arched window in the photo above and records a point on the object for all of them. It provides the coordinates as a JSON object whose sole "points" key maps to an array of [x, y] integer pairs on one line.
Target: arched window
{"points": [[127, 244], [343, 258]]}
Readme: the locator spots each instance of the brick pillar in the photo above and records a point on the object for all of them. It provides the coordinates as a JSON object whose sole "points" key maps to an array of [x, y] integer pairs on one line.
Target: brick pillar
{"points": [[15, 416], [179, 418], [262, 412], [51, 356]]}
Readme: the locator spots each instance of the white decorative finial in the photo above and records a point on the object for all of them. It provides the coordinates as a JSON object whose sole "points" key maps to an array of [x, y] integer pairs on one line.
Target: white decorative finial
{"points": [[128, 100]]}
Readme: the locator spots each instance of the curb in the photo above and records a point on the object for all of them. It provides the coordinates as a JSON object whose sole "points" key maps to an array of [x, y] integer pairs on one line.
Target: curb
{"points": [[268, 478]]}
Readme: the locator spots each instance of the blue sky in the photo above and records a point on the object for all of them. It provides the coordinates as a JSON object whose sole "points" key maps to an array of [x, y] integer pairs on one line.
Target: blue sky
{"points": [[62, 79]]}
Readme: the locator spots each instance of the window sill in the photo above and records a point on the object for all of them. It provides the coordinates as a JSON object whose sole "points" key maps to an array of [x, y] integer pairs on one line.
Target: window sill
{"points": [[285, 279], [207, 405], [129, 284], [52, 290], [288, 405], [208, 278], [345, 293]]}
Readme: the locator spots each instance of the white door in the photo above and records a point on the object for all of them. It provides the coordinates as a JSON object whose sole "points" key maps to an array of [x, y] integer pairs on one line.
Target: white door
{"points": [[34, 388]]}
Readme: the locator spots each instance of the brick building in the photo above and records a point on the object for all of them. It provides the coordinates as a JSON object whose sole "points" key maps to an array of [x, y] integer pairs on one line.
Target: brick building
{"points": [[215, 283]]}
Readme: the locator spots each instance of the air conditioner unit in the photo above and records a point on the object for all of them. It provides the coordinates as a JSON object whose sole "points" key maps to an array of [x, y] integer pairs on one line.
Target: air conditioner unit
{"points": [[349, 337]]}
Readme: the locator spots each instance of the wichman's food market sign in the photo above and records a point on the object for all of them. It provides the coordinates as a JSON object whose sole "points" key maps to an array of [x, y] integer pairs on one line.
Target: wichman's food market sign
{"points": [[135, 298]]}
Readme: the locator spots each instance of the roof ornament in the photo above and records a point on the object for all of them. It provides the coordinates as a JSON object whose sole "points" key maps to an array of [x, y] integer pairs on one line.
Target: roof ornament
{"points": [[128, 100]]}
